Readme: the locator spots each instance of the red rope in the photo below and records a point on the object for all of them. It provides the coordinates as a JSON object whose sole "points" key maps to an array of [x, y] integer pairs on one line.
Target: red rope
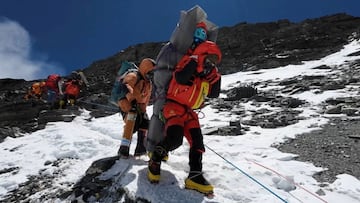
{"points": [[286, 178]]}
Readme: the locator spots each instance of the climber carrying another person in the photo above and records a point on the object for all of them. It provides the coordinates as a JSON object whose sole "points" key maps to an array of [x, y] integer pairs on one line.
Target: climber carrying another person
{"points": [[195, 77]]}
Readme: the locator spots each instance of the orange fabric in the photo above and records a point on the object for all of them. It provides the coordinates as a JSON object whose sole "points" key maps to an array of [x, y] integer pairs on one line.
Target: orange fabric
{"points": [[177, 114], [139, 90], [71, 88], [37, 88], [129, 120], [124, 105], [194, 96], [199, 54], [146, 66]]}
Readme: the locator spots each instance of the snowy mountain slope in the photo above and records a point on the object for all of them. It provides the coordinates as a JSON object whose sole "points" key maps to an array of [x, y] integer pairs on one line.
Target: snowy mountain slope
{"points": [[63, 151]]}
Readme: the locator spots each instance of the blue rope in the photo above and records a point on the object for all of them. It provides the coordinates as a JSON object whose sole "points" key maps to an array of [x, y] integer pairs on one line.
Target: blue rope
{"points": [[247, 175], [106, 106]]}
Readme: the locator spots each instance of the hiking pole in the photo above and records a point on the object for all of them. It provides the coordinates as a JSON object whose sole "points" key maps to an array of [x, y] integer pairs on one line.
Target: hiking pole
{"points": [[243, 172]]}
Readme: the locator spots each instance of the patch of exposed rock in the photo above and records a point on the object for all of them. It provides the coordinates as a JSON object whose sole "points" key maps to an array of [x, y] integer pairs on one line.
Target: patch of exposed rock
{"points": [[335, 147]]}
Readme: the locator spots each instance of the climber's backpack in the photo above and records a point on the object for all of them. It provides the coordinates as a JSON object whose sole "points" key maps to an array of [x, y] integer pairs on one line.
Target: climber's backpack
{"points": [[72, 88], [119, 90], [52, 82]]}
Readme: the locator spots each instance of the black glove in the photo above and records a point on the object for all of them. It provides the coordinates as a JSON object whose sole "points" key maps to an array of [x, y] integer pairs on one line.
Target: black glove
{"points": [[208, 66], [212, 76], [133, 106]]}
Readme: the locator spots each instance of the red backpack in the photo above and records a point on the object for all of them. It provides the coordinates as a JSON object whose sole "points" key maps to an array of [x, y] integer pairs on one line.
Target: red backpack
{"points": [[72, 88], [52, 82]]}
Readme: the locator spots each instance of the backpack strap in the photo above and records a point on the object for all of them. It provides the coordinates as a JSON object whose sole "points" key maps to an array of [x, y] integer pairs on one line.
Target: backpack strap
{"points": [[131, 70], [138, 77]]}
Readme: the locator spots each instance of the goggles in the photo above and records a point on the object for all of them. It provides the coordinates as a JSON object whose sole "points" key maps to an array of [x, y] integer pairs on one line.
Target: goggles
{"points": [[200, 34]]}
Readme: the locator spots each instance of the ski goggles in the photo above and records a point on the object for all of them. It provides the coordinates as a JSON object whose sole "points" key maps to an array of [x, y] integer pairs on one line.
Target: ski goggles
{"points": [[200, 34]]}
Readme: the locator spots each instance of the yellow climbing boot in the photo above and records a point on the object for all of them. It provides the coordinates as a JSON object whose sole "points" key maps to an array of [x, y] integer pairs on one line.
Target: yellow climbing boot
{"points": [[196, 181], [153, 171], [72, 102], [166, 157], [61, 104]]}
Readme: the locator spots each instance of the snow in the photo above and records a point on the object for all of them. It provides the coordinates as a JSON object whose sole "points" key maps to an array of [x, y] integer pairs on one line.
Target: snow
{"points": [[244, 168]]}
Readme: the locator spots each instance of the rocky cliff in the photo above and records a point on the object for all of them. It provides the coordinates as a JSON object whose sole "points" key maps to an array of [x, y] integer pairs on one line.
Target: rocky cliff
{"points": [[244, 46]]}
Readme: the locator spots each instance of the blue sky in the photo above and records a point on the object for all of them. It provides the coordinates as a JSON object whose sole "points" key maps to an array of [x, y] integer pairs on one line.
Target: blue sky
{"points": [[40, 37]]}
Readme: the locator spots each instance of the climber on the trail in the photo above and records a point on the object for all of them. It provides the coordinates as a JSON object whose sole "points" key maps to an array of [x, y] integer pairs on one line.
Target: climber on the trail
{"points": [[196, 77], [53, 86], [71, 90], [36, 91], [169, 56], [134, 88]]}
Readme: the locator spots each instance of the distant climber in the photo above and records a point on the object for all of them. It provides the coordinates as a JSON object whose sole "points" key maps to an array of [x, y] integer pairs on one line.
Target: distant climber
{"points": [[70, 90], [53, 86], [36, 91]]}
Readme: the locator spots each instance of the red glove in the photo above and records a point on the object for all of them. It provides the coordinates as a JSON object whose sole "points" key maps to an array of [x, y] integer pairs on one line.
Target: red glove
{"points": [[213, 76]]}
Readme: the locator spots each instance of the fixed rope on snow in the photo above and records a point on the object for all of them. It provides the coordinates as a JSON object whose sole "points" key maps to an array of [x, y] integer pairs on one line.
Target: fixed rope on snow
{"points": [[262, 185], [291, 181]]}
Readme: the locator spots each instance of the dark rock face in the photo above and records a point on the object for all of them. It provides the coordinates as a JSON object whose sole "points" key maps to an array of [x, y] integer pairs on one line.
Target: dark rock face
{"points": [[90, 184], [94, 188], [244, 47], [340, 148], [241, 92], [249, 47], [16, 114], [267, 45]]}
